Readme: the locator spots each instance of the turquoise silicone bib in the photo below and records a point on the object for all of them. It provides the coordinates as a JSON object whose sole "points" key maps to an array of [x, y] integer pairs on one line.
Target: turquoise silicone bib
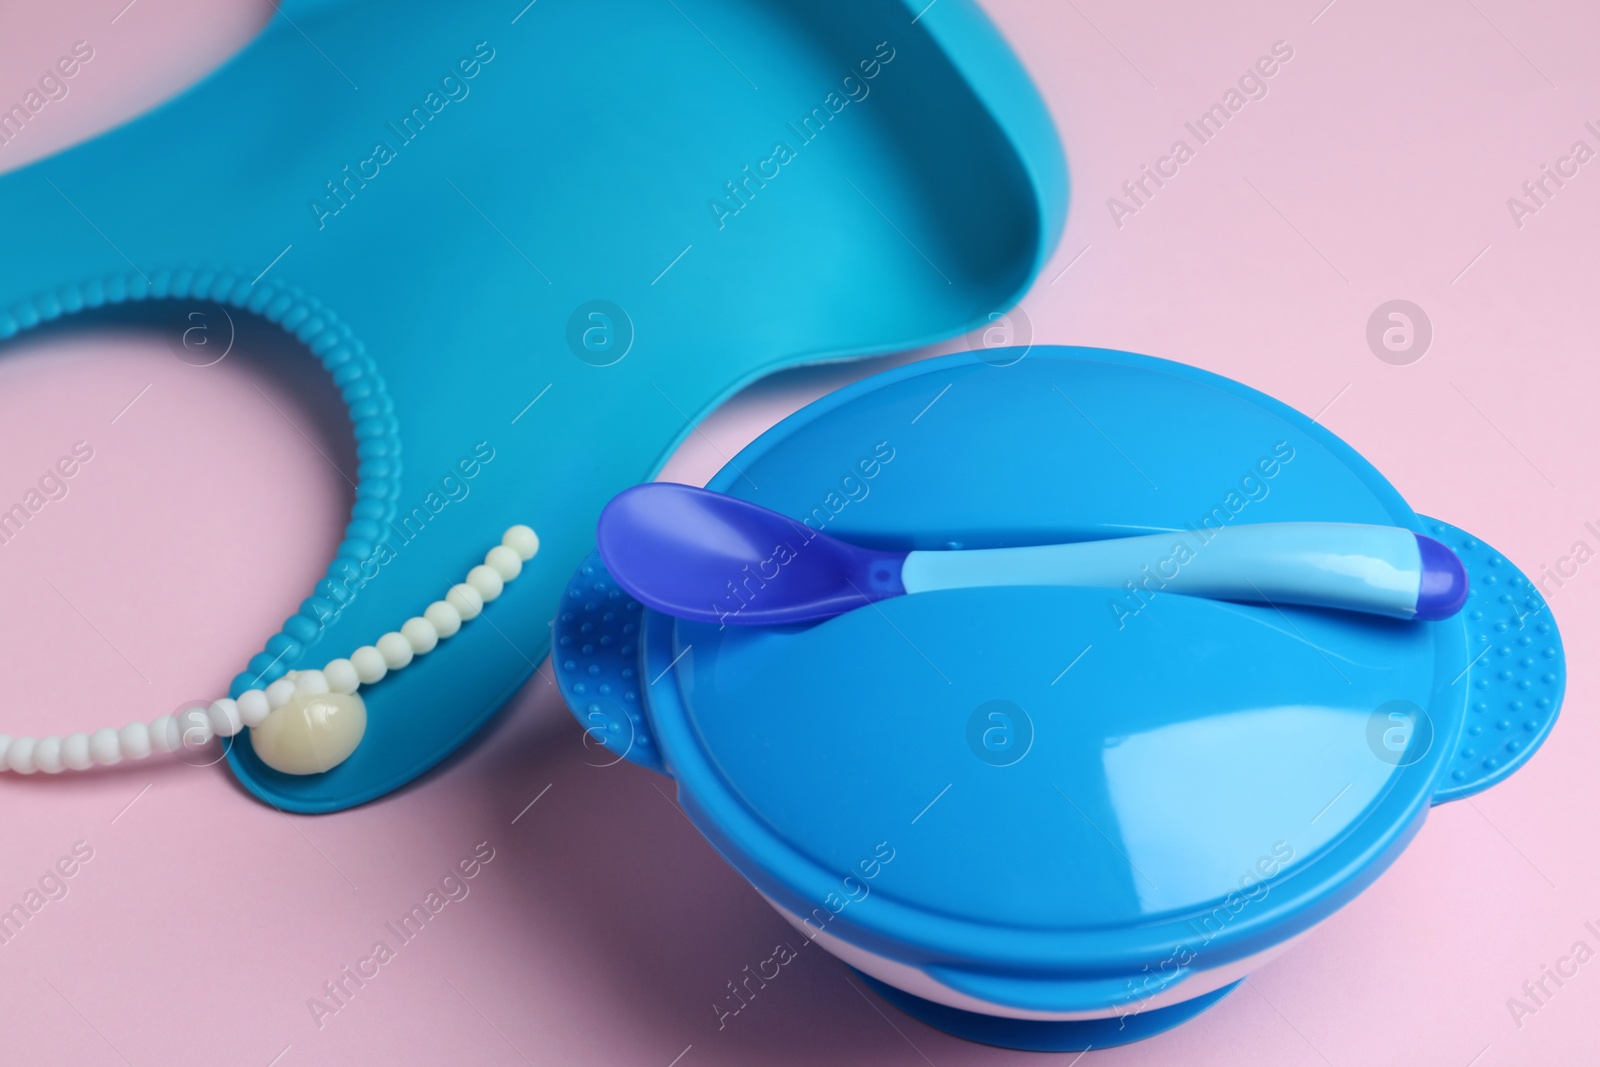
{"points": [[532, 248]]}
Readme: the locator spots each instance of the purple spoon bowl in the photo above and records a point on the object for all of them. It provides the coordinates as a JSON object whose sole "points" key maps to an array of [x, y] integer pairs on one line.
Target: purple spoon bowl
{"points": [[695, 554]]}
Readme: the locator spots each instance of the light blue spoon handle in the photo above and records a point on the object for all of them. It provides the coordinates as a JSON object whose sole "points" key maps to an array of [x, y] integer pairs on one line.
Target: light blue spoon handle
{"points": [[1381, 570]]}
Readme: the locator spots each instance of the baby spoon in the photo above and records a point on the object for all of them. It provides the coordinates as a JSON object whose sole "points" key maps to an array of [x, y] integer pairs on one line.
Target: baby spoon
{"points": [[705, 556]]}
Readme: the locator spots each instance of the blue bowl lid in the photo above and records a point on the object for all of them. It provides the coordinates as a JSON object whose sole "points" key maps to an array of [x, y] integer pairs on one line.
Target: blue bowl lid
{"points": [[1052, 781]]}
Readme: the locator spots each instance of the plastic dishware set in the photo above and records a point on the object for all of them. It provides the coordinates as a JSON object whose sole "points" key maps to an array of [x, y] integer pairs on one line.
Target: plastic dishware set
{"points": [[1053, 690]]}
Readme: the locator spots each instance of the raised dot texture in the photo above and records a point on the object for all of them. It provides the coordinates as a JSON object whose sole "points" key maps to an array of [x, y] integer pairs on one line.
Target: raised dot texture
{"points": [[598, 633], [1500, 679]]}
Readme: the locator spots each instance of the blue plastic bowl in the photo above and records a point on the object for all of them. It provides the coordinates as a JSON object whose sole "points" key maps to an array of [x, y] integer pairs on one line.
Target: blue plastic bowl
{"points": [[1050, 818]]}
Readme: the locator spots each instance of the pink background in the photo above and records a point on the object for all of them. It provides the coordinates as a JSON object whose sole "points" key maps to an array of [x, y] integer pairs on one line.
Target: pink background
{"points": [[1378, 167]]}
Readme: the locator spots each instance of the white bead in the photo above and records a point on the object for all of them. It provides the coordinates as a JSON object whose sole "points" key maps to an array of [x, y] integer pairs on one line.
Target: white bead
{"points": [[446, 620], [280, 692], [486, 580], [194, 728], [104, 747], [5, 744], [164, 734], [134, 740], [369, 664], [466, 601], [420, 635], [342, 677], [19, 756], [504, 562], [47, 755], [310, 683], [75, 752], [523, 541], [224, 718], [312, 733], [253, 707], [395, 650]]}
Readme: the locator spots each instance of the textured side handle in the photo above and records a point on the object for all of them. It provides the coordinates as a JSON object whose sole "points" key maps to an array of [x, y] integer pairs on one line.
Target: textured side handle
{"points": [[1517, 670], [595, 652]]}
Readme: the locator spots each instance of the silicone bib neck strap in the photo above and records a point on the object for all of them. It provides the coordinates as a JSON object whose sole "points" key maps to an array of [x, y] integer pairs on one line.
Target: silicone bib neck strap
{"points": [[305, 722]]}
